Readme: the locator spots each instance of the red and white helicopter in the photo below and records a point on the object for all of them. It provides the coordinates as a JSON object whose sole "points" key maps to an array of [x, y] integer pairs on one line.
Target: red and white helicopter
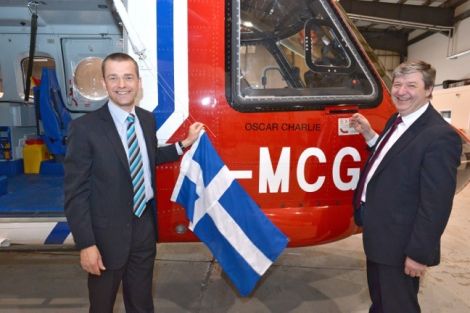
{"points": [[274, 81]]}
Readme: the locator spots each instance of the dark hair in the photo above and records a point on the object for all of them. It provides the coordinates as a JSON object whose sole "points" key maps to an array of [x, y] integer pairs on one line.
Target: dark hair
{"points": [[416, 66], [120, 56]]}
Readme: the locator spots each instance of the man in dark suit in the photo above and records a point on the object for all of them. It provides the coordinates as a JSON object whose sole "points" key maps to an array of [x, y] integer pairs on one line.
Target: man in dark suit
{"points": [[109, 190], [404, 197]]}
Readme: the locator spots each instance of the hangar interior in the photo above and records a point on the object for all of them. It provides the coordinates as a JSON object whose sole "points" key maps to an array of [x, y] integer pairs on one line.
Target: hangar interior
{"points": [[326, 278], [435, 31], [400, 29]]}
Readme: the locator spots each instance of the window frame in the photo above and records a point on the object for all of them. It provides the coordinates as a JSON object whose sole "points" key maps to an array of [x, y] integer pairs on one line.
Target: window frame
{"points": [[24, 69], [293, 98]]}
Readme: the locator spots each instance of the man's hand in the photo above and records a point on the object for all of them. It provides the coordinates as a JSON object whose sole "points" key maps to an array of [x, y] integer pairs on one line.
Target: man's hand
{"points": [[193, 133], [362, 126], [90, 260], [414, 269]]}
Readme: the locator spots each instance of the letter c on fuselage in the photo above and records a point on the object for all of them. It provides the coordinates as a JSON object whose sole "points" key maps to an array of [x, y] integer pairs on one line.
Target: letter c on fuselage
{"points": [[304, 185]]}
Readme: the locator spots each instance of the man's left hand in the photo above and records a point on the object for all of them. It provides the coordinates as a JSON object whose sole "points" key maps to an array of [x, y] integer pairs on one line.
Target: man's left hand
{"points": [[414, 269]]}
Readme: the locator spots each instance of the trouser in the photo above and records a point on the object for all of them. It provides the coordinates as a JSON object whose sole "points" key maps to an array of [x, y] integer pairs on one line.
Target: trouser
{"points": [[391, 290], [136, 275]]}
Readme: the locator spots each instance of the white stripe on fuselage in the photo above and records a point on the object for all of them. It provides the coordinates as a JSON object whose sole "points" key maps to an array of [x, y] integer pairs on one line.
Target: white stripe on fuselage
{"points": [[29, 233], [181, 92], [145, 11]]}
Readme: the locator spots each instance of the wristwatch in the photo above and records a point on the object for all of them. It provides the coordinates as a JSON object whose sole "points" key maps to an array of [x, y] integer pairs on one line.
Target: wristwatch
{"points": [[180, 143]]}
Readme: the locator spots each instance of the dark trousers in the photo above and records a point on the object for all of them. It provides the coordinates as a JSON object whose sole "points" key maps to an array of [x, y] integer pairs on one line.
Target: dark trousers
{"points": [[391, 290], [136, 275]]}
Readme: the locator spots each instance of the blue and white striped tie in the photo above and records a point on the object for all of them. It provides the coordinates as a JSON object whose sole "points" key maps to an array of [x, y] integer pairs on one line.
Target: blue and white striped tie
{"points": [[136, 167]]}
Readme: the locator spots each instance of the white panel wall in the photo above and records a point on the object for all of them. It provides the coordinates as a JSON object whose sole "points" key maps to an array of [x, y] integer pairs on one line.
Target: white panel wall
{"points": [[142, 16], [434, 51], [456, 101]]}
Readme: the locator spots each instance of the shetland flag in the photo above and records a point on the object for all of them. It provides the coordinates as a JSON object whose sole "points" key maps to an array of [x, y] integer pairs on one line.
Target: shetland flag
{"points": [[242, 239]]}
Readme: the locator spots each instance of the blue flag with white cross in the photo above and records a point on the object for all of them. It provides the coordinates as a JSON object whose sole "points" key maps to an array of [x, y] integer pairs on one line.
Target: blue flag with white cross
{"points": [[242, 239]]}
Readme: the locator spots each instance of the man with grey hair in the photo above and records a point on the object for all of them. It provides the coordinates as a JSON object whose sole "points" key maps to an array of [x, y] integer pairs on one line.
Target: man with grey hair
{"points": [[404, 195]]}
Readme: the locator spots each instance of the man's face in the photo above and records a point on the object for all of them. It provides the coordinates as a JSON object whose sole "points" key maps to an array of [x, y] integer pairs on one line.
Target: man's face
{"points": [[122, 83], [409, 94]]}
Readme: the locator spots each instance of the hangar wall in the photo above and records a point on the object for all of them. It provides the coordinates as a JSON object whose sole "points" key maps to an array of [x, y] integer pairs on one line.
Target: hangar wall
{"points": [[434, 50], [454, 103]]}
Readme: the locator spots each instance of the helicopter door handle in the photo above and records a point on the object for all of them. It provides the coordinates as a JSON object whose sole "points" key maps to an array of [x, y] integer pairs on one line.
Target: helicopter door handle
{"points": [[342, 110]]}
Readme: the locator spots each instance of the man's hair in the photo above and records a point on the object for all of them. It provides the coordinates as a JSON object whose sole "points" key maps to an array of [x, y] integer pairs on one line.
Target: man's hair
{"points": [[416, 66], [119, 56]]}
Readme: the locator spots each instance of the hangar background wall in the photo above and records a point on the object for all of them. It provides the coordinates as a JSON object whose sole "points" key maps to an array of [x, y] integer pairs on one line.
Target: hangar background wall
{"points": [[434, 50], [455, 102]]}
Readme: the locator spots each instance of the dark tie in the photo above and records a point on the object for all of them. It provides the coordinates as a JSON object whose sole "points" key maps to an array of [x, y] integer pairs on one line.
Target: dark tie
{"points": [[370, 162], [136, 167]]}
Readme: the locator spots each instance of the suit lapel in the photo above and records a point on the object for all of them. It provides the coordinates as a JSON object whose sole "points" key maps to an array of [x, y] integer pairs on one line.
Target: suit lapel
{"points": [[405, 139], [149, 135], [111, 132]]}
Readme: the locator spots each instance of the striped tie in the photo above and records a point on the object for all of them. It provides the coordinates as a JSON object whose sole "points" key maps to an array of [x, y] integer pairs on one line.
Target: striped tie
{"points": [[136, 167]]}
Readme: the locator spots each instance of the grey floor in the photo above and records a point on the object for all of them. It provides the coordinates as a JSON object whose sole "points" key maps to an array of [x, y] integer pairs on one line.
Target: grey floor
{"points": [[323, 279]]}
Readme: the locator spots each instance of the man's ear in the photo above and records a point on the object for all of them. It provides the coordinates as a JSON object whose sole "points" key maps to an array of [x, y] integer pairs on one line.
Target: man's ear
{"points": [[429, 92]]}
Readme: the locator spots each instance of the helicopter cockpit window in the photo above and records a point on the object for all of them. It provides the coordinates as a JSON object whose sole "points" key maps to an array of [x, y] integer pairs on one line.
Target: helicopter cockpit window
{"points": [[294, 55]]}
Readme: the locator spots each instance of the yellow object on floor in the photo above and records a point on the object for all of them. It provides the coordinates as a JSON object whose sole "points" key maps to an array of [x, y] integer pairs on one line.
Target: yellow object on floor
{"points": [[34, 152]]}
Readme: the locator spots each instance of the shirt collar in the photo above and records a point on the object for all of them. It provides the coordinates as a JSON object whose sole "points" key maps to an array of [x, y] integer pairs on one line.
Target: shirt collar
{"points": [[412, 117], [117, 113]]}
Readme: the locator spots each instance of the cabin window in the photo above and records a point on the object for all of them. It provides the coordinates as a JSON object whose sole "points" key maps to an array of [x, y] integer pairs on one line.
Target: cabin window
{"points": [[447, 115], [38, 64], [88, 79], [294, 55]]}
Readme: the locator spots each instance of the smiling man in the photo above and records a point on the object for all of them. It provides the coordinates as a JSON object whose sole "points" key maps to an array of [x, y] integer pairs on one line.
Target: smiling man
{"points": [[109, 190], [404, 196]]}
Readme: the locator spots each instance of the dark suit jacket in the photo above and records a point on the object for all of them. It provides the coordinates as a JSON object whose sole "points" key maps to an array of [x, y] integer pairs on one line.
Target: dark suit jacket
{"points": [[97, 184], [409, 197]]}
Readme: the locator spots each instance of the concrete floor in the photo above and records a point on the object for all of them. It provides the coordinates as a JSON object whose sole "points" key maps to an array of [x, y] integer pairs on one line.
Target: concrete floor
{"points": [[323, 279]]}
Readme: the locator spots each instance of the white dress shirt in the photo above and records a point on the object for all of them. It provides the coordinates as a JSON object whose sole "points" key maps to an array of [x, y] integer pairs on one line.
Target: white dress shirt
{"points": [[407, 121]]}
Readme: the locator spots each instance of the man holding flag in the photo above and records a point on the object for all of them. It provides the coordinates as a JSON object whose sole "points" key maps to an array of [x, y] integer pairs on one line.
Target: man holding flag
{"points": [[109, 190], [242, 239]]}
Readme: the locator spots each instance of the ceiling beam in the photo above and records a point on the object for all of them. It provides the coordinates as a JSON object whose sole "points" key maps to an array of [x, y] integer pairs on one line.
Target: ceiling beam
{"points": [[424, 35], [453, 3], [462, 16], [420, 37], [396, 41], [401, 12]]}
